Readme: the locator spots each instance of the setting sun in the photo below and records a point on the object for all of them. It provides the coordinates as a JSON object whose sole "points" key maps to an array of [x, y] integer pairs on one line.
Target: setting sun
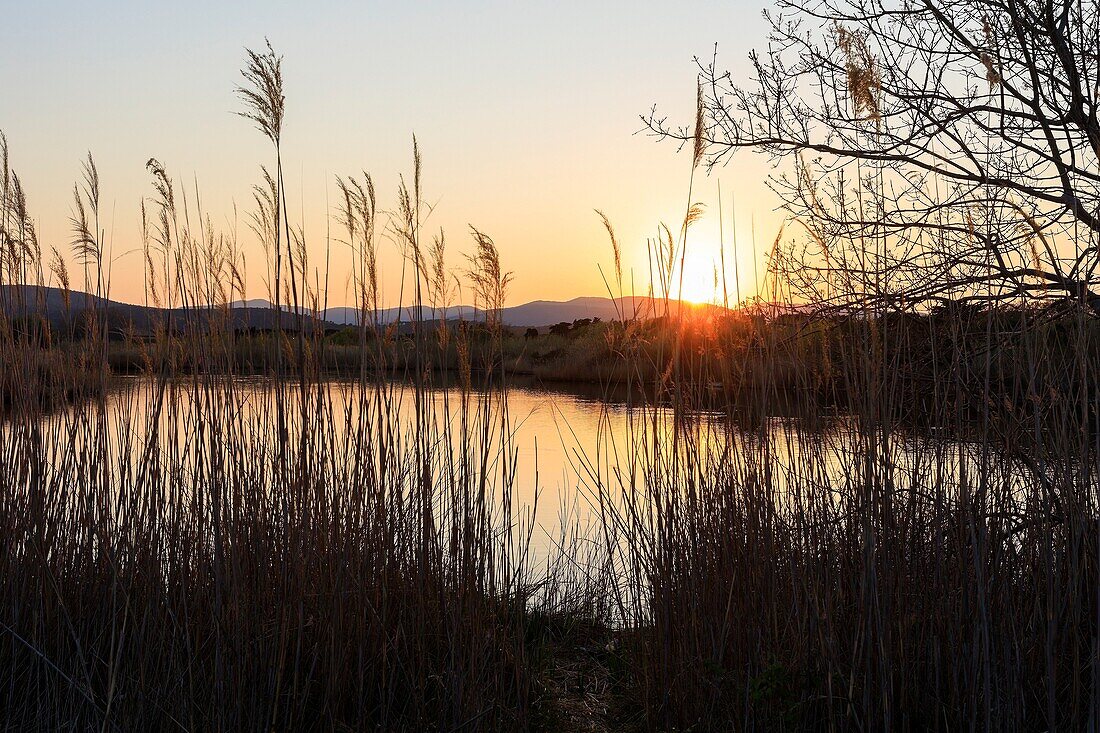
{"points": [[701, 280]]}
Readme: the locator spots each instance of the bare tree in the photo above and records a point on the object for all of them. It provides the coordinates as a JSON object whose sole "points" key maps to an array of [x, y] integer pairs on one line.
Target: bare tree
{"points": [[937, 149]]}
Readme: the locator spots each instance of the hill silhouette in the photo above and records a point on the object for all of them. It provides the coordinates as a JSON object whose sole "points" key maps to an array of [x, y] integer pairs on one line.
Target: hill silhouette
{"points": [[62, 308]]}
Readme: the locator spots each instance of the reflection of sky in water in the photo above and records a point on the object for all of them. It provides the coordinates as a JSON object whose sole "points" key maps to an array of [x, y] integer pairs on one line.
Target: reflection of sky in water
{"points": [[566, 444]]}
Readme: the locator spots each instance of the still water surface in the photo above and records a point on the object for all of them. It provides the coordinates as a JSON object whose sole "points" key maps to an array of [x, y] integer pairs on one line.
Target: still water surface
{"points": [[558, 445]]}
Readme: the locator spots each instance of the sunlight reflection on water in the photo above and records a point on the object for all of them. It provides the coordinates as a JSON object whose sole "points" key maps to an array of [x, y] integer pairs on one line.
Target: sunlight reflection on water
{"points": [[569, 447]]}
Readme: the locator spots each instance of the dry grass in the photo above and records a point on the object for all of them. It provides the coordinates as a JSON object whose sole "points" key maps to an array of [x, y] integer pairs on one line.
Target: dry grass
{"points": [[928, 557], [205, 552]]}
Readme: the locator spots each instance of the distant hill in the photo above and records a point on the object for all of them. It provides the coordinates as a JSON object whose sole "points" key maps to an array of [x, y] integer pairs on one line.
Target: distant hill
{"points": [[260, 314], [52, 303], [549, 312], [537, 313], [350, 316]]}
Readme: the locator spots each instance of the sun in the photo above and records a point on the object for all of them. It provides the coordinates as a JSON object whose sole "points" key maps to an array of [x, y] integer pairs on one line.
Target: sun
{"points": [[701, 281]]}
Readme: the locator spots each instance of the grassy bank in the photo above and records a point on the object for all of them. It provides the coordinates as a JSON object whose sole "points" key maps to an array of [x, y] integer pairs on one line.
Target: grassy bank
{"points": [[946, 365]]}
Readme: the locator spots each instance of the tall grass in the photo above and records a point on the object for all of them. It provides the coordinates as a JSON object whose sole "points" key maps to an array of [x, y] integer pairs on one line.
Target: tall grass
{"points": [[922, 554], [203, 552], [913, 544]]}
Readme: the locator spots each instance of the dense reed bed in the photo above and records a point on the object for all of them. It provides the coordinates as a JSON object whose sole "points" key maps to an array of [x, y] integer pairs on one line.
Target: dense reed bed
{"points": [[914, 544], [854, 572], [194, 564], [200, 553]]}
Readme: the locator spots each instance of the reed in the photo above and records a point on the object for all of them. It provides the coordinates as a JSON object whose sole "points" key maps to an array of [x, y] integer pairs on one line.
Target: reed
{"points": [[202, 551], [919, 552], [870, 520]]}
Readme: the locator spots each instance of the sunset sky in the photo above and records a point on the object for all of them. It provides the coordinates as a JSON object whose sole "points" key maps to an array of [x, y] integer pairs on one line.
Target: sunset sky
{"points": [[526, 114]]}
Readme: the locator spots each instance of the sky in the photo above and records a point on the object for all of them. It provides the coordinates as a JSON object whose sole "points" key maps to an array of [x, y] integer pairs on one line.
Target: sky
{"points": [[527, 115]]}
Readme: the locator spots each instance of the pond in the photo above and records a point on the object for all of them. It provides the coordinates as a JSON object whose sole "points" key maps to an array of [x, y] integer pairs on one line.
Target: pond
{"points": [[560, 453]]}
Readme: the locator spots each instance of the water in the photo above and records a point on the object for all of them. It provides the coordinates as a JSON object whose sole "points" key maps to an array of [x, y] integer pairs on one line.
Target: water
{"points": [[560, 450], [554, 439]]}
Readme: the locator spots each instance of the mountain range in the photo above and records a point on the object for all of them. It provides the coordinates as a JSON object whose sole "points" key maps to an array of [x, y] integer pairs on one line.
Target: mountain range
{"points": [[57, 306], [534, 314]]}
